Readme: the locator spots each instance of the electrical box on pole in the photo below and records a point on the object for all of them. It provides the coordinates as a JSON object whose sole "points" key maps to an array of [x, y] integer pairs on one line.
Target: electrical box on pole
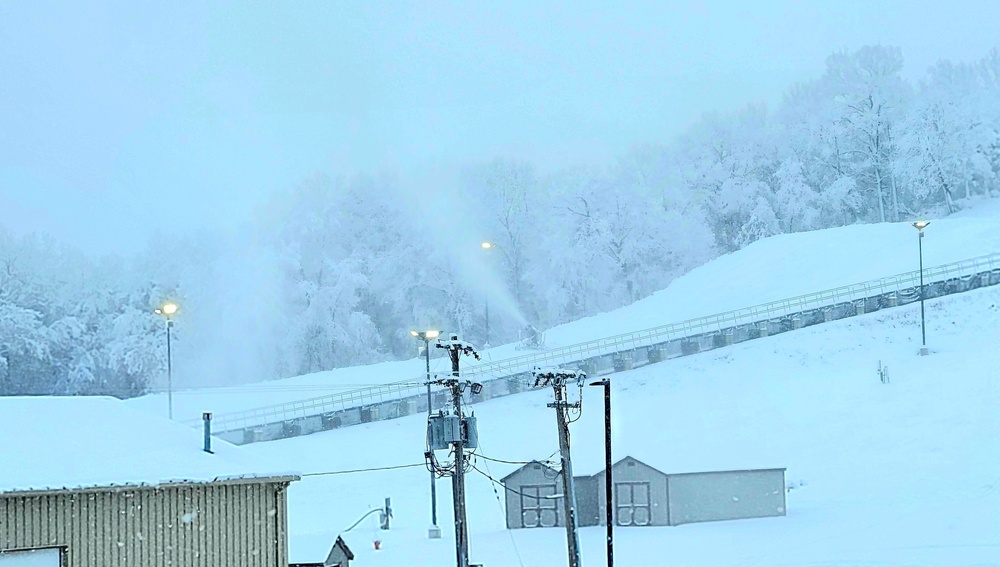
{"points": [[445, 429], [470, 436], [459, 433]]}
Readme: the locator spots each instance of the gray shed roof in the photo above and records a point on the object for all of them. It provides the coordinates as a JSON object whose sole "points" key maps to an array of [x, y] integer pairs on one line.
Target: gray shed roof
{"points": [[523, 467]]}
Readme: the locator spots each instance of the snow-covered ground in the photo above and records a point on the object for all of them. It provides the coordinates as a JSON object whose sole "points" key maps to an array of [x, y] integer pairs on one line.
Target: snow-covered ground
{"points": [[902, 474], [771, 269], [79, 441]]}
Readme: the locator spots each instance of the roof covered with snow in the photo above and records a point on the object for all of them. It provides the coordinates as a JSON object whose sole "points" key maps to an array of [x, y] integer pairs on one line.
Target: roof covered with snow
{"points": [[79, 442]]}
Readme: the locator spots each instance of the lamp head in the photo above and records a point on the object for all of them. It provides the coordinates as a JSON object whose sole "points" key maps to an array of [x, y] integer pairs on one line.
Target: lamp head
{"points": [[487, 245], [921, 225], [168, 309], [431, 334]]}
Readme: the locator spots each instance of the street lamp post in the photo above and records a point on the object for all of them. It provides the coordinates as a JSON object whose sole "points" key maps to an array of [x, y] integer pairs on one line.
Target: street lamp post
{"points": [[487, 246], [168, 310], [608, 484], [920, 226], [427, 336]]}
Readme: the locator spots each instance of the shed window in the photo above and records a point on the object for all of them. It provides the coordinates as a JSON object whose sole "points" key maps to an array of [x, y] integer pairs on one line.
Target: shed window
{"points": [[537, 511], [50, 557], [632, 503]]}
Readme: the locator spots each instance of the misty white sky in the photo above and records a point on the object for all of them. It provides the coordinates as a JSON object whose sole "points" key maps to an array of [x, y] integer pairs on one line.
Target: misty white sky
{"points": [[118, 120]]}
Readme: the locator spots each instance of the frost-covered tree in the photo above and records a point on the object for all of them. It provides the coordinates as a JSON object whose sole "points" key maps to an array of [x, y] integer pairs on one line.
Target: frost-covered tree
{"points": [[867, 86]]}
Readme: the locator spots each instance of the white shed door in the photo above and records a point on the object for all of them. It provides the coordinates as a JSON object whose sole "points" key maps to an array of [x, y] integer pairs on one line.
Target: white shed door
{"points": [[32, 558]]}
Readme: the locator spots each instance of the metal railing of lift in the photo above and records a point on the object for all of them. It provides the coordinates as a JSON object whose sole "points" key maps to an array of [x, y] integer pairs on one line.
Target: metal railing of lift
{"points": [[610, 345]]}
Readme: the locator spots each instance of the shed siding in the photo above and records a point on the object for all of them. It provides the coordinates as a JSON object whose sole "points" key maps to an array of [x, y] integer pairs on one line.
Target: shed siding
{"points": [[706, 497], [236, 525], [587, 507], [621, 472], [530, 475]]}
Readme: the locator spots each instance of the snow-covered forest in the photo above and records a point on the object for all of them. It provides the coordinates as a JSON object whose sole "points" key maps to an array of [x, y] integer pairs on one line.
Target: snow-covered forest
{"points": [[336, 271]]}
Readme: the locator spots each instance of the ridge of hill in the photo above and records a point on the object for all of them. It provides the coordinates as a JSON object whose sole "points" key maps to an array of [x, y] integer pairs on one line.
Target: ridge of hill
{"points": [[771, 269]]}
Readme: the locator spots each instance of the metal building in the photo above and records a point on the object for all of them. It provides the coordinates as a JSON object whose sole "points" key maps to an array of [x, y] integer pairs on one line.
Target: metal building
{"points": [[644, 496], [87, 482], [226, 522], [725, 495]]}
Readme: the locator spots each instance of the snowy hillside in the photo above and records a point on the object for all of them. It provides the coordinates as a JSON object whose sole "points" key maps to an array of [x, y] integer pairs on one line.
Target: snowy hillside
{"points": [[890, 475], [771, 269]]}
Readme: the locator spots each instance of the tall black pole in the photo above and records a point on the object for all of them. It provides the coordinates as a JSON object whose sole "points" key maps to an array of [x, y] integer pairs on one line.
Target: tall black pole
{"points": [[458, 479], [608, 484], [170, 375], [609, 513], [434, 533], [923, 326]]}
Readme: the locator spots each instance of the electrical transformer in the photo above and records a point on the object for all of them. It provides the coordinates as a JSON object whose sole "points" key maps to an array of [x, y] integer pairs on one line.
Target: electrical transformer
{"points": [[443, 430], [470, 435]]}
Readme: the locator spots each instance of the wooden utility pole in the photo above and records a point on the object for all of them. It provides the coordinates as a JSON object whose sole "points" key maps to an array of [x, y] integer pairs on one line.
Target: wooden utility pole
{"points": [[557, 378], [569, 490], [455, 349]]}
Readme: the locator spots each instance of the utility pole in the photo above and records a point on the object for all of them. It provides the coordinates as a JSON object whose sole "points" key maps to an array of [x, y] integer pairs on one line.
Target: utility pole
{"points": [[456, 348], [557, 378]]}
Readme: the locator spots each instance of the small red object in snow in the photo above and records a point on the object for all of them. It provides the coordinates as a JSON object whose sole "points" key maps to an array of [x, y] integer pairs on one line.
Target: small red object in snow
{"points": [[378, 544]]}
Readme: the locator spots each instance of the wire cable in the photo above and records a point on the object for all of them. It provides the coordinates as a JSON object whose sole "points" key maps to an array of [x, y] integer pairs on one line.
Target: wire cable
{"points": [[517, 552], [511, 490], [546, 461], [374, 469]]}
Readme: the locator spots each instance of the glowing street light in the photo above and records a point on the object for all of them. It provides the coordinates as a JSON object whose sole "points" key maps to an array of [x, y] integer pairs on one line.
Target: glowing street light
{"points": [[168, 310], [487, 246], [920, 226], [427, 336]]}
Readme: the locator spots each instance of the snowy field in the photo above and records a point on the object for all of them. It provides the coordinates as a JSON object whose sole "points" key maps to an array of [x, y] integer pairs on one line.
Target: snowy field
{"points": [[904, 474], [771, 269]]}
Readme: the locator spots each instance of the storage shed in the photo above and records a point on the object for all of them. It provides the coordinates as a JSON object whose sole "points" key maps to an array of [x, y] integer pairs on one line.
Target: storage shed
{"points": [[640, 494], [644, 496], [532, 497], [88, 482], [315, 550], [725, 495]]}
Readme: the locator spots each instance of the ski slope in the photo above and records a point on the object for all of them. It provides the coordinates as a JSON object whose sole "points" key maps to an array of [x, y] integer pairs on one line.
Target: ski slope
{"points": [[901, 474], [771, 269]]}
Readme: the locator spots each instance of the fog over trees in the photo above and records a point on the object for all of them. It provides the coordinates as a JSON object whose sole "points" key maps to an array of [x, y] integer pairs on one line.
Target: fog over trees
{"points": [[336, 271]]}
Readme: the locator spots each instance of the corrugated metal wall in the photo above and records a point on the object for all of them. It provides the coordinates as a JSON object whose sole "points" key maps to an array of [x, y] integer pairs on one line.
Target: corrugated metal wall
{"points": [[230, 524]]}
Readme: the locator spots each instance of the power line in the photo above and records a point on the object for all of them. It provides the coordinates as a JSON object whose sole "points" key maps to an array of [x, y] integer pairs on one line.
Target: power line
{"points": [[511, 490], [376, 469], [517, 552], [545, 461]]}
